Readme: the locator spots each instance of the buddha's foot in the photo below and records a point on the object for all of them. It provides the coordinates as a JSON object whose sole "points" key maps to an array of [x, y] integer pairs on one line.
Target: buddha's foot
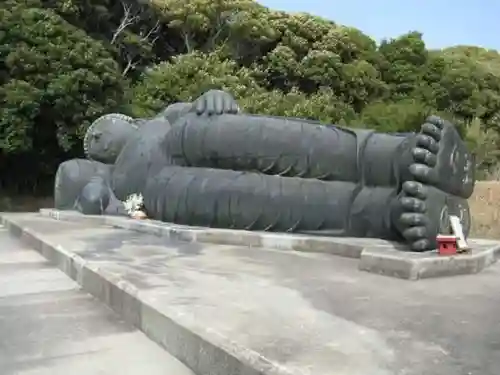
{"points": [[424, 213], [442, 159]]}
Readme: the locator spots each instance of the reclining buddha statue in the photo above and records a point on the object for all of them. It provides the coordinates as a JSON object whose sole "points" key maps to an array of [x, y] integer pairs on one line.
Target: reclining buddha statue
{"points": [[208, 164]]}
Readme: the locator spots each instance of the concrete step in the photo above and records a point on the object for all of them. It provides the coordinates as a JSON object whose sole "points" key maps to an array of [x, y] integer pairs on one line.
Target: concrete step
{"points": [[227, 310], [48, 326]]}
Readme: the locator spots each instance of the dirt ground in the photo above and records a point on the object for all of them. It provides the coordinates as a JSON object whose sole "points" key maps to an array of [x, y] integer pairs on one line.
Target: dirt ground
{"points": [[485, 207], [485, 210]]}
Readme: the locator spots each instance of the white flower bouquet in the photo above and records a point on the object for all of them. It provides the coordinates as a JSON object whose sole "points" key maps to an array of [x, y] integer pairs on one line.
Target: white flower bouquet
{"points": [[134, 205]]}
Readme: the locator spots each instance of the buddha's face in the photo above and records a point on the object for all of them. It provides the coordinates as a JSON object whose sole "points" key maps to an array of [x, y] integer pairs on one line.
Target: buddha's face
{"points": [[107, 136]]}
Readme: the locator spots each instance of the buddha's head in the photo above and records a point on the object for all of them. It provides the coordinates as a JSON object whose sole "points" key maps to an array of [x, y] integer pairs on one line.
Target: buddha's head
{"points": [[107, 136]]}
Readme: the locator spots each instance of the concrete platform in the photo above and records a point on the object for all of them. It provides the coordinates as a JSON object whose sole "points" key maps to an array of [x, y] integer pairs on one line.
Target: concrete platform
{"points": [[376, 256], [49, 326], [228, 310]]}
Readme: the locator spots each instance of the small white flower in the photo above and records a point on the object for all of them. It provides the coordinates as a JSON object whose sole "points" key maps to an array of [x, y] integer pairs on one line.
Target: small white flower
{"points": [[134, 203]]}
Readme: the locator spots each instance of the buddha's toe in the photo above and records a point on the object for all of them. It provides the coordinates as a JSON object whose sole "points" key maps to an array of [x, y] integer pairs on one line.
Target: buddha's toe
{"points": [[415, 233], [423, 173], [414, 219], [419, 215], [433, 127], [421, 245], [415, 190], [424, 156]]}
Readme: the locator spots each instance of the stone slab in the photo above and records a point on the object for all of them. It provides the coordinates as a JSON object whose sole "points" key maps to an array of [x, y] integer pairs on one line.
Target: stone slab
{"points": [[376, 256], [229, 310]]}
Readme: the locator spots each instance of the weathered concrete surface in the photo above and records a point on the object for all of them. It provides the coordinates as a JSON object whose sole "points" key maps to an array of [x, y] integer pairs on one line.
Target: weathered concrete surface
{"points": [[376, 256], [239, 310], [48, 326]]}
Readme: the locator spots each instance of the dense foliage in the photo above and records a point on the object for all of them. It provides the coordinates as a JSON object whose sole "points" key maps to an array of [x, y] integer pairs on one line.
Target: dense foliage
{"points": [[65, 62]]}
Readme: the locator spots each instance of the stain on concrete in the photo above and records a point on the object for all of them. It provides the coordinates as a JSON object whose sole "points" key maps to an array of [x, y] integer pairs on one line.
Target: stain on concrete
{"points": [[149, 245]]}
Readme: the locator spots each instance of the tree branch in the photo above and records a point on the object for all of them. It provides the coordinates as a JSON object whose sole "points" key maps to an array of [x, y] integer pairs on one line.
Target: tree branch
{"points": [[130, 65], [187, 42], [128, 18], [153, 30]]}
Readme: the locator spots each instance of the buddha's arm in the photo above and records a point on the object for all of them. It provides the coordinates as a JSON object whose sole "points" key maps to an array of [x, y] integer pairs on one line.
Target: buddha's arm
{"points": [[276, 146], [71, 178]]}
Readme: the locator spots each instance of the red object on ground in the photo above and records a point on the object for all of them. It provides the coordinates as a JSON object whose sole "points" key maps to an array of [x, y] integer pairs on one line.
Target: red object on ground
{"points": [[447, 245]]}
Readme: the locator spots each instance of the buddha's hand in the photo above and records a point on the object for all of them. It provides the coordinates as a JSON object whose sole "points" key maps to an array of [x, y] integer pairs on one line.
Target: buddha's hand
{"points": [[215, 102]]}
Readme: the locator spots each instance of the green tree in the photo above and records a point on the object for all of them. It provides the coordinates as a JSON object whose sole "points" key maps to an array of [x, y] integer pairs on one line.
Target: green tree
{"points": [[323, 105], [186, 77], [131, 30], [465, 86], [484, 144], [65, 62], [241, 26], [403, 62], [54, 81], [172, 82], [405, 115]]}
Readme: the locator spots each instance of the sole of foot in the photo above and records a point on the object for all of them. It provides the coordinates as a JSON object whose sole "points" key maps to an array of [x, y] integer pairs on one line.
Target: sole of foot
{"points": [[424, 211], [441, 159]]}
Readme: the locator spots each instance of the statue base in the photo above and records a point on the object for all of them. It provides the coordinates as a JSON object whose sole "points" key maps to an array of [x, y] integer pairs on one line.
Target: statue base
{"points": [[374, 255]]}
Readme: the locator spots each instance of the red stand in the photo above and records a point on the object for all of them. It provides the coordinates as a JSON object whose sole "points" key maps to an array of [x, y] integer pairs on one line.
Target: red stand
{"points": [[447, 245]]}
